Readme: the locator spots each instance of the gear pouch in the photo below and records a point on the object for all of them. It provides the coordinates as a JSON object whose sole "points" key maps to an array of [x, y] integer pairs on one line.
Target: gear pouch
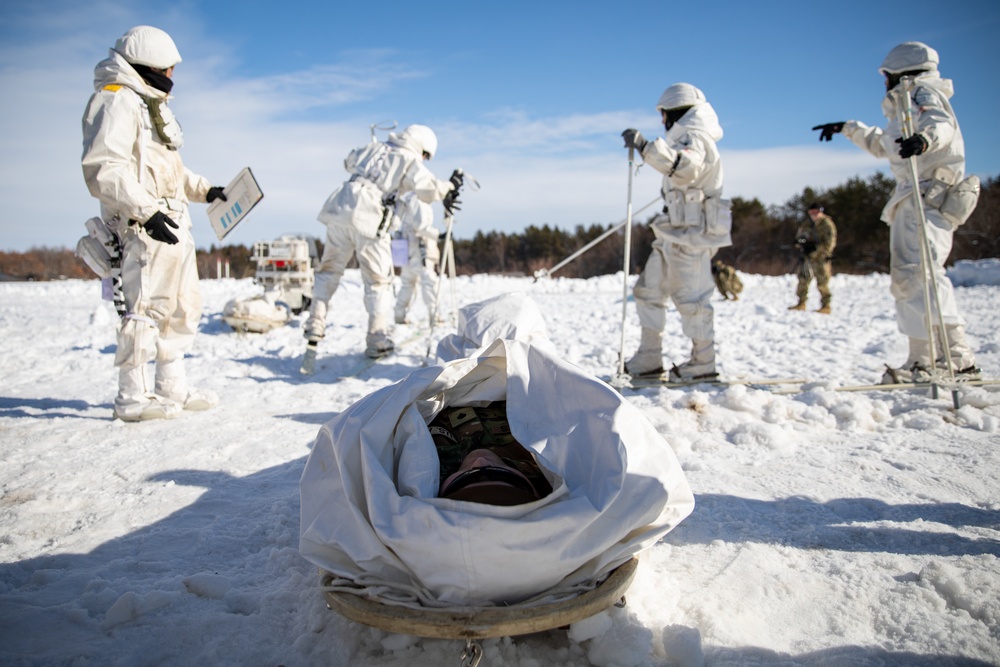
{"points": [[98, 248], [674, 207], [694, 208], [960, 201], [718, 216]]}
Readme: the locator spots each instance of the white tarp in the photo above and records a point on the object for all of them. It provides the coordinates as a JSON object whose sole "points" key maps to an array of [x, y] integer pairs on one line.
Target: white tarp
{"points": [[369, 511], [511, 316]]}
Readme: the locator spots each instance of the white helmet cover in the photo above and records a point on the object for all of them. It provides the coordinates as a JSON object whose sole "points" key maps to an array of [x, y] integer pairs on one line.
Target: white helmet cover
{"points": [[149, 46], [679, 95], [422, 138], [910, 56]]}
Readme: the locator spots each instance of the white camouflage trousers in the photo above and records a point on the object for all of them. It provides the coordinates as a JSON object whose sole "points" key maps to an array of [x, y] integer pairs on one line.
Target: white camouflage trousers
{"points": [[375, 259], [421, 268], [907, 284], [163, 301], [682, 274]]}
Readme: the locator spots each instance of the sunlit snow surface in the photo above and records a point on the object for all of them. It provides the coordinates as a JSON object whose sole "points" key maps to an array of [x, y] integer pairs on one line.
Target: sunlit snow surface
{"points": [[831, 528]]}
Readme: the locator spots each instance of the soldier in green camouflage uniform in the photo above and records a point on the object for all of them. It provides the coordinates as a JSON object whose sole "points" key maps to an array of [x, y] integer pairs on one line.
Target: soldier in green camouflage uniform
{"points": [[727, 280], [816, 239], [459, 431]]}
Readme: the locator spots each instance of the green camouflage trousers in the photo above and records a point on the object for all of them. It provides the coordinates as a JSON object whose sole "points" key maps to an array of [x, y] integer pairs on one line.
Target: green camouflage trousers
{"points": [[820, 268]]}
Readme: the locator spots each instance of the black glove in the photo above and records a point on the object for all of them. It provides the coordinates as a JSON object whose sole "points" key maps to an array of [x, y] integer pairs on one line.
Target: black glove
{"points": [[451, 202], [634, 139], [912, 145], [215, 193], [805, 246], [457, 179], [158, 229], [827, 131]]}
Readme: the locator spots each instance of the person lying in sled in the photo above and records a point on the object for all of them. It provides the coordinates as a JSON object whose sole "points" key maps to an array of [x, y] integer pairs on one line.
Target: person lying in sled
{"points": [[481, 462]]}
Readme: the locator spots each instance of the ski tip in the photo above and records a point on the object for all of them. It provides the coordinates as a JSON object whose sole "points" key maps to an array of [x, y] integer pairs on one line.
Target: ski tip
{"points": [[308, 366]]}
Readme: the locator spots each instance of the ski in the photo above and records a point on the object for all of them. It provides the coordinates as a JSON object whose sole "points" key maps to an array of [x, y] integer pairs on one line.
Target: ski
{"points": [[309, 360], [796, 385], [946, 386], [368, 362], [645, 382]]}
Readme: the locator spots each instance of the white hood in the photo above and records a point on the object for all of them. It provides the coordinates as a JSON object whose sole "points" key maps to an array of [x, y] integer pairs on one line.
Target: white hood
{"points": [[701, 117]]}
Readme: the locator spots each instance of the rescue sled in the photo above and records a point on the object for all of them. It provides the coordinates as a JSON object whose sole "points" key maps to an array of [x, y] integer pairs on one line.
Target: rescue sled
{"points": [[481, 622], [473, 623]]}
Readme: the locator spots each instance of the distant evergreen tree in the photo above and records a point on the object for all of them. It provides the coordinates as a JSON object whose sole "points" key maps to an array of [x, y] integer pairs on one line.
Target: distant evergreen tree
{"points": [[763, 241]]}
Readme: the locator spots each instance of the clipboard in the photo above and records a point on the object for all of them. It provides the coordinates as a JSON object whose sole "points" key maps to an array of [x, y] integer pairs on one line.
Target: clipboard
{"points": [[242, 194]]}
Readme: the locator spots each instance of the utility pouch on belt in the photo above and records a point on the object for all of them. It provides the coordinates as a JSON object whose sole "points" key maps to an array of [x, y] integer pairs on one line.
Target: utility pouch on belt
{"points": [[99, 249], [674, 207], [960, 200], [718, 216], [694, 210]]}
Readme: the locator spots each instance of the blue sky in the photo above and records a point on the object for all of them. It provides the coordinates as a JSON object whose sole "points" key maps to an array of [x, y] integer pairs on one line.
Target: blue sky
{"points": [[528, 97]]}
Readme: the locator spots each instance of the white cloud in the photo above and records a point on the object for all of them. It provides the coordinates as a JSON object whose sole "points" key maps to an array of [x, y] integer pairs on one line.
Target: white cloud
{"points": [[774, 175]]}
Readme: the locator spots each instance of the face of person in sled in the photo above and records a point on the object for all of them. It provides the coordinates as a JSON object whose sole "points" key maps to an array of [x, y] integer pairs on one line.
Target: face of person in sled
{"points": [[484, 477]]}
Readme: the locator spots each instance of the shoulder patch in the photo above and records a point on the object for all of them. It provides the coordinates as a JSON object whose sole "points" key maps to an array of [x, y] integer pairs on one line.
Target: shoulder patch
{"points": [[112, 87]]}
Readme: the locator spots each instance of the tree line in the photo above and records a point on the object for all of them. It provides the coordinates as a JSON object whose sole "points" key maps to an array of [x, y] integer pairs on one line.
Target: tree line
{"points": [[763, 237], [763, 241]]}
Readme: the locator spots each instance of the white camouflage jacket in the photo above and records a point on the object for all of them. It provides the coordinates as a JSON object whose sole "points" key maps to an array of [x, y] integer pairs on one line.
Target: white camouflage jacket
{"points": [[379, 170], [126, 164], [688, 158], [934, 119]]}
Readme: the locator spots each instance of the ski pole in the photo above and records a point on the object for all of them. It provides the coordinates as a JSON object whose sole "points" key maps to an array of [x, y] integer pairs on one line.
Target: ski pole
{"points": [[931, 292], [545, 273], [621, 379], [449, 221], [448, 256]]}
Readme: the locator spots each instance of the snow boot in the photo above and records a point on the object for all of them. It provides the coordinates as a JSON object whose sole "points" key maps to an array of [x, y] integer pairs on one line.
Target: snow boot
{"points": [[379, 345], [648, 359], [962, 358], [801, 305], [136, 403], [311, 335], [915, 372], [315, 326], [701, 365], [171, 382]]}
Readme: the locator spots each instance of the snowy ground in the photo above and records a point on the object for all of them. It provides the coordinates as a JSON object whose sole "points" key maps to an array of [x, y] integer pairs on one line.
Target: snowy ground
{"points": [[832, 528]]}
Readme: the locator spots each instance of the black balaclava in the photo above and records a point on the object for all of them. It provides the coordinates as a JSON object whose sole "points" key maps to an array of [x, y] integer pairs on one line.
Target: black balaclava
{"points": [[892, 79], [157, 80], [674, 115]]}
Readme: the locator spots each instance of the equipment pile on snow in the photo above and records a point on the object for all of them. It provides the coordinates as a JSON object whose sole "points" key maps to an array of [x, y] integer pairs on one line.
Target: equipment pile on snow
{"points": [[285, 270]]}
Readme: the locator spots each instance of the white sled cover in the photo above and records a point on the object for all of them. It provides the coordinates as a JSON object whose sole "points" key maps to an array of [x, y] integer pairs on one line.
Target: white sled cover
{"points": [[511, 316], [369, 511]]}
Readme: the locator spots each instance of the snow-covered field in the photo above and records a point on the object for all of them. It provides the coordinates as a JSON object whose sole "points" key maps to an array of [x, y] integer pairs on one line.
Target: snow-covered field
{"points": [[831, 528]]}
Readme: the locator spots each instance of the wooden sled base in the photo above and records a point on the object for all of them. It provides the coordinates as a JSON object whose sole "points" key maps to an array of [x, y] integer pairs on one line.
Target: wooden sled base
{"points": [[481, 622]]}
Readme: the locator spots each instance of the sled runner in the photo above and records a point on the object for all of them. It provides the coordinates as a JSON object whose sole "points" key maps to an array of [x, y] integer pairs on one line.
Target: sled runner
{"points": [[480, 622]]}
